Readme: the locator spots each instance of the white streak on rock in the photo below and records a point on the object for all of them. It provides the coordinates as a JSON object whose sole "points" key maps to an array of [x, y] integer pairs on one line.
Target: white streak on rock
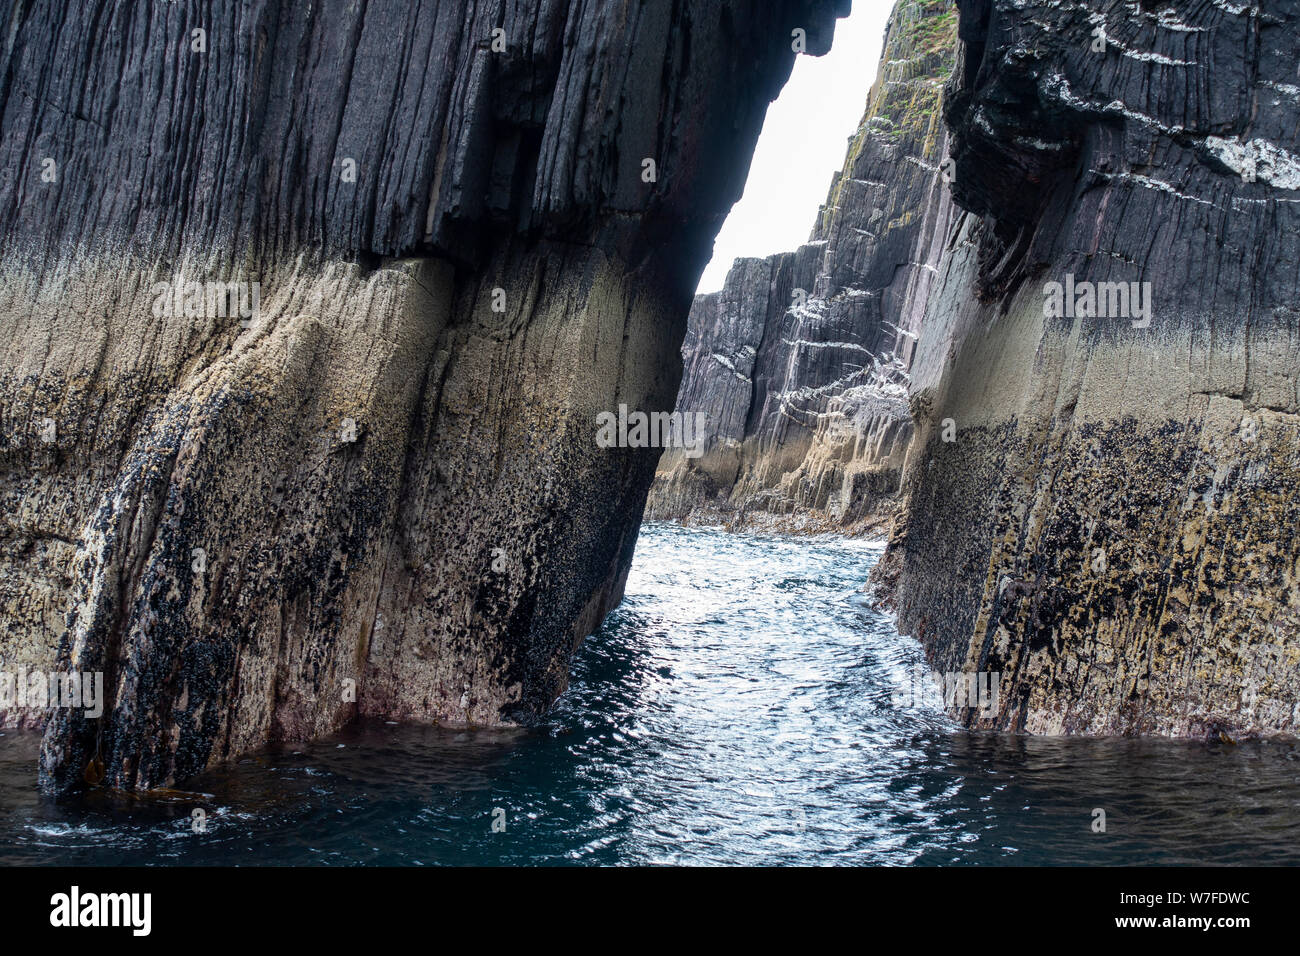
{"points": [[1272, 164]]}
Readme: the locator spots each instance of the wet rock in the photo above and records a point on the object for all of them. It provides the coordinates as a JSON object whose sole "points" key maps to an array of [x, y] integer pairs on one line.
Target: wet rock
{"points": [[367, 483], [1094, 498], [1110, 526]]}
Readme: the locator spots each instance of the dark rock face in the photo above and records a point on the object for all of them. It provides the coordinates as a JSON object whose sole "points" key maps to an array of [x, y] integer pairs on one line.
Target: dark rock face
{"points": [[1096, 498], [800, 363], [379, 492], [1110, 525]]}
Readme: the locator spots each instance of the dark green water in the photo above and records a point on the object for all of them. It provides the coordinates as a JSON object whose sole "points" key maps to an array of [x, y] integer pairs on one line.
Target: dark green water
{"points": [[738, 708]]}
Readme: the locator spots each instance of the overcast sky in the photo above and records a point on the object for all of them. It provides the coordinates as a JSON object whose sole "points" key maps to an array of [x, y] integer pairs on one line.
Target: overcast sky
{"points": [[802, 144]]}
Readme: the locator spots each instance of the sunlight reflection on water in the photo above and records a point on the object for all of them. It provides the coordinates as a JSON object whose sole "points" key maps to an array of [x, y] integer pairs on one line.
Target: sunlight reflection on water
{"points": [[737, 708]]}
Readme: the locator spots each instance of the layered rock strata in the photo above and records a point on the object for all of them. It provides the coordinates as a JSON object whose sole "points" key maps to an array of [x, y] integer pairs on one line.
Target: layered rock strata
{"points": [[306, 314], [1112, 345], [1098, 442], [801, 362]]}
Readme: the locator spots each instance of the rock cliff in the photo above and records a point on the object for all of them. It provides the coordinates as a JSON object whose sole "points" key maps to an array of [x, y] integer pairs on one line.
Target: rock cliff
{"points": [[800, 362], [306, 313], [1094, 325], [1112, 342]]}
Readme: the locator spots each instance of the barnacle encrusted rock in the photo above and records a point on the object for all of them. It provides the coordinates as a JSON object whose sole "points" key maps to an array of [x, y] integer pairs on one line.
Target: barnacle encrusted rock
{"points": [[1097, 497], [467, 228], [1111, 527]]}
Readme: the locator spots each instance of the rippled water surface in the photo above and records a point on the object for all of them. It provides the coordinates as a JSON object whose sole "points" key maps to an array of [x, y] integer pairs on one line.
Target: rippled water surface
{"points": [[738, 708]]}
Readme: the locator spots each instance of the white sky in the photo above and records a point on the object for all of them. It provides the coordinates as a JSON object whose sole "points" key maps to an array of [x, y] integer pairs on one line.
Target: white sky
{"points": [[803, 143]]}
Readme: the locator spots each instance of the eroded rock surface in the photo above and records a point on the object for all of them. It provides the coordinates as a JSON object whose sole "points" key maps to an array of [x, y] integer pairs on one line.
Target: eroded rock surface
{"points": [[1111, 527], [380, 494], [800, 362], [1095, 505]]}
